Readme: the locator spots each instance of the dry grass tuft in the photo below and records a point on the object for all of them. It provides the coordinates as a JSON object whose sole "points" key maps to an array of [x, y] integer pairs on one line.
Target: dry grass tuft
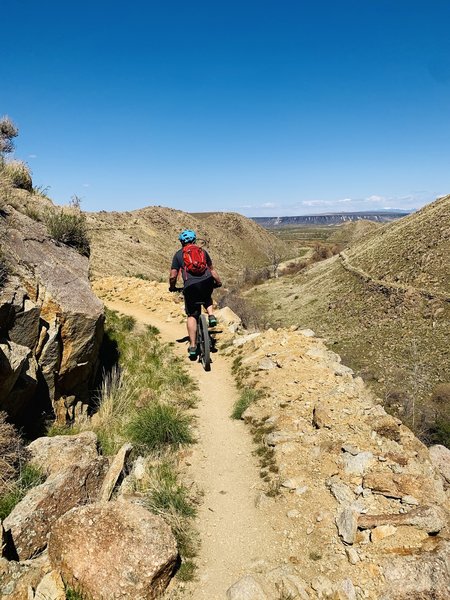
{"points": [[12, 453], [18, 173]]}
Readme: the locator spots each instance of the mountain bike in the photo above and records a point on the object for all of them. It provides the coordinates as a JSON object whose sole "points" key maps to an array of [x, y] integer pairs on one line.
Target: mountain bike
{"points": [[204, 342]]}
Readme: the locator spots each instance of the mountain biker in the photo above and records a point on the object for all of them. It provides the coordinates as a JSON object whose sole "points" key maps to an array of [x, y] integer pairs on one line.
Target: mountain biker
{"points": [[198, 287]]}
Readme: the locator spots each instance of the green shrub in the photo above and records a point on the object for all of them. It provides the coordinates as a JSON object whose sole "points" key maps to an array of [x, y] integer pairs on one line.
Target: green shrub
{"points": [[159, 425], [247, 397], [69, 227], [18, 174]]}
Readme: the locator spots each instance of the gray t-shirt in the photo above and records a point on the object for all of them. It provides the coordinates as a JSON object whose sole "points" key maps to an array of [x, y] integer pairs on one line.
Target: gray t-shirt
{"points": [[189, 278]]}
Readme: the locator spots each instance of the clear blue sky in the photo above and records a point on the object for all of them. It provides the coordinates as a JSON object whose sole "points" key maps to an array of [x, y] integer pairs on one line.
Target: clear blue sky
{"points": [[288, 107]]}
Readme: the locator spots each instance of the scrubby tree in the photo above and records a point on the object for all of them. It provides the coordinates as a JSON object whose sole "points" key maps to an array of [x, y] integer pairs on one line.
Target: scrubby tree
{"points": [[8, 131]]}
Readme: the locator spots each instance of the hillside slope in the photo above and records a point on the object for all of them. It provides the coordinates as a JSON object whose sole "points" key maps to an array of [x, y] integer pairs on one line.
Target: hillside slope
{"points": [[142, 242], [365, 305]]}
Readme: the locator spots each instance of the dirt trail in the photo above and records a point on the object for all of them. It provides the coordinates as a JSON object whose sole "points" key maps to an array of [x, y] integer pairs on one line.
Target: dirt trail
{"points": [[234, 533]]}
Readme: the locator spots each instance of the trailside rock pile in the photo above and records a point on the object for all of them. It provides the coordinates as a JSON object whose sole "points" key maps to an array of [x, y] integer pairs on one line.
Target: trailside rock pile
{"points": [[366, 502], [51, 324], [66, 533]]}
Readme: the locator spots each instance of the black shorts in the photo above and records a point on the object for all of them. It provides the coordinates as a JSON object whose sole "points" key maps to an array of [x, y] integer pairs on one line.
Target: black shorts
{"points": [[197, 295]]}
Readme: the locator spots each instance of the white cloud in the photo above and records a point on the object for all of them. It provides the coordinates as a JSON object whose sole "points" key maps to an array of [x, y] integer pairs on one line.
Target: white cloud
{"points": [[86, 185], [268, 205], [32, 156]]}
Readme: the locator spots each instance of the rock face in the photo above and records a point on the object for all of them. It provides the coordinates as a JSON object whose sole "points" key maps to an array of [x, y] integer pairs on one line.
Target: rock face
{"points": [[31, 520], [113, 550], [51, 323]]}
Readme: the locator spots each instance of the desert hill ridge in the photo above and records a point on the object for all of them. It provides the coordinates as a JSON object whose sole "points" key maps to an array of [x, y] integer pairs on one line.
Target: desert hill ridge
{"points": [[383, 305], [143, 241]]}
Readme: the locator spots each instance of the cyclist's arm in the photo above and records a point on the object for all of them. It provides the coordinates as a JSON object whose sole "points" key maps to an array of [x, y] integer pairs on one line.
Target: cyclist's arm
{"points": [[215, 275], [173, 276]]}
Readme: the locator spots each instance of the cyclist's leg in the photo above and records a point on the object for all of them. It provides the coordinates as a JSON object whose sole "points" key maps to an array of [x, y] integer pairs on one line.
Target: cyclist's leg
{"points": [[192, 310]]}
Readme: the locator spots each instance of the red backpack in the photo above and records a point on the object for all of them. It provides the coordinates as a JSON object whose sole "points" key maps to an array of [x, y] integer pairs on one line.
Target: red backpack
{"points": [[194, 259]]}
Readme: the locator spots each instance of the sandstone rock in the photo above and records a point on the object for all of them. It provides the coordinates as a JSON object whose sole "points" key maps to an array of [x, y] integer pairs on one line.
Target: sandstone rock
{"points": [[12, 359], [381, 532], [306, 332], [289, 484], [240, 341], [230, 319], [247, 588], [340, 490], [431, 519], [266, 364], [110, 548], [115, 471], [397, 485], [50, 588], [422, 577], [32, 519], [279, 437], [18, 578], [440, 457], [345, 590], [323, 586], [25, 330], [352, 555], [347, 524], [357, 464], [321, 418], [50, 309], [57, 453]]}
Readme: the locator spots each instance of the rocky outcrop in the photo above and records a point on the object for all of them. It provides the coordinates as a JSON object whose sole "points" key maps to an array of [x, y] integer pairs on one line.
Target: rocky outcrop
{"points": [[111, 550], [30, 522], [55, 454], [364, 497], [51, 323]]}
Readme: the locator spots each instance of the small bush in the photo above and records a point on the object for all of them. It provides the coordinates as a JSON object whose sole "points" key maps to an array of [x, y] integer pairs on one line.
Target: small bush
{"points": [[18, 174], [250, 315], [33, 213], [159, 425], [441, 394], [247, 397], [187, 570], [321, 252], [12, 453], [69, 227]]}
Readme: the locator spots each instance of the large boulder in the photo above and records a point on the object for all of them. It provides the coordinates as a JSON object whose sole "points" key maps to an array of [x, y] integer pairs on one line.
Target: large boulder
{"points": [[111, 550], [55, 454], [49, 319], [31, 520]]}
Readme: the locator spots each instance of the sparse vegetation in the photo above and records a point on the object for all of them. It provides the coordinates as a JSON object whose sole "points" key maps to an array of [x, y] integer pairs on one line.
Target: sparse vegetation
{"points": [[69, 226], [142, 399], [18, 174], [29, 477], [246, 398]]}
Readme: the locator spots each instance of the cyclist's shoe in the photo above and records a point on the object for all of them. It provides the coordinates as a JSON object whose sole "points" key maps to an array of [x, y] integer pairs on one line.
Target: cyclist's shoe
{"points": [[192, 351], [212, 321]]}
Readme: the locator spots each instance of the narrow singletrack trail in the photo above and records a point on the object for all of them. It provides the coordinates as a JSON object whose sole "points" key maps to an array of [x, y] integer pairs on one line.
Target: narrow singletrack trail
{"points": [[234, 533]]}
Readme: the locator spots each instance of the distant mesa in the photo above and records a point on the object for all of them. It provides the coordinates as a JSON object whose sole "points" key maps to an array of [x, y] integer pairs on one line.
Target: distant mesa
{"points": [[383, 216]]}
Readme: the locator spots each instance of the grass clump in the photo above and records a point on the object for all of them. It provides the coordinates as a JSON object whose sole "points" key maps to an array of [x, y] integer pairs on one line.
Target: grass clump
{"points": [[69, 228], [29, 477], [246, 398], [12, 454], [159, 425], [18, 174], [142, 398]]}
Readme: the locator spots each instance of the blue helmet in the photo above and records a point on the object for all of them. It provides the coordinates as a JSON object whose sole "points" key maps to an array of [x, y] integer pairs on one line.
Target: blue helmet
{"points": [[187, 236]]}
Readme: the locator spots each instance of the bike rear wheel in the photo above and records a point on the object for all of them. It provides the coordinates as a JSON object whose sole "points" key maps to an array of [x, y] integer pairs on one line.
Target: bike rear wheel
{"points": [[204, 343]]}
